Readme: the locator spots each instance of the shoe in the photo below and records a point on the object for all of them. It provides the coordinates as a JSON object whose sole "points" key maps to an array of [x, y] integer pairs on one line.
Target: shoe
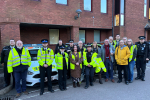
{"points": [[78, 85], [100, 81], [137, 78], [5, 85], [74, 85], [130, 81], [61, 89], [127, 82], [91, 84], [106, 80], [41, 93], [143, 79], [18, 95], [65, 89], [52, 91], [113, 80], [119, 81], [86, 87], [25, 92]]}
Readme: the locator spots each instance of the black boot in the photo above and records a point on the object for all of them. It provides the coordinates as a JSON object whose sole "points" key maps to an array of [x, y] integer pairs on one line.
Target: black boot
{"points": [[78, 84], [100, 79], [74, 85]]}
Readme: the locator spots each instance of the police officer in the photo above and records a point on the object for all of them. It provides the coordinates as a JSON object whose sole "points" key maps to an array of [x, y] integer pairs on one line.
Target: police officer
{"points": [[4, 59], [61, 59], [45, 58], [69, 49], [142, 57], [57, 46], [19, 60], [89, 59]]}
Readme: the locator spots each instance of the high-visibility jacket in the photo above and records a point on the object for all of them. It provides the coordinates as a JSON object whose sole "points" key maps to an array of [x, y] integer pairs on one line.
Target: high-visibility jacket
{"points": [[100, 65], [131, 51], [59, 60], [115, 43], [15, 60], [45, 56], [93, 59], [72, 66]]}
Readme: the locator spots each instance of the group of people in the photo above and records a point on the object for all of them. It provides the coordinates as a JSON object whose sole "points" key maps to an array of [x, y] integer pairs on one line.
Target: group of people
{"points": [[77, 60]]}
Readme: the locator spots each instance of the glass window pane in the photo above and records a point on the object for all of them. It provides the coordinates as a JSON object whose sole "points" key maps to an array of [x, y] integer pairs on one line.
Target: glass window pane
{"points": [[104, 6], [117, 20], [145, 10], [97, 35], [122, 20], [54, 36], [87, 5], [149, 13], [145, 1], [122, 6], [62, 1], [82, 35]]}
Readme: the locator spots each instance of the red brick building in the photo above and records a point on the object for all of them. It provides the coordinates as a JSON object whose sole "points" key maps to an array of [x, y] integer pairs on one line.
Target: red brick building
{"points": [[33, 20]]}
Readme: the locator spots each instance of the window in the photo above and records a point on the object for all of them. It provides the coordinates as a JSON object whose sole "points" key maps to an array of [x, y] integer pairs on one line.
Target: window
{"points": [[62, 2], [82, 35], [149, 9], [97, 35], [116, 20], [103, 6], [87, 5], [122, 13], [54, 36], [145, 7]]}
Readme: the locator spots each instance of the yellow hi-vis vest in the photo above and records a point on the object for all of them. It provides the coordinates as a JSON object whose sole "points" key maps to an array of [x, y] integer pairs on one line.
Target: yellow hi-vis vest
{"points": [[131, 51], [115, 43], [59, 60], [15, 60], [45, 57], [100, 65], [72, 66], [93, 59]]}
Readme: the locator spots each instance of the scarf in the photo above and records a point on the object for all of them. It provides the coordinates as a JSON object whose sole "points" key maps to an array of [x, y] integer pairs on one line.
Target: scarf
{"points": [[107, 53]]}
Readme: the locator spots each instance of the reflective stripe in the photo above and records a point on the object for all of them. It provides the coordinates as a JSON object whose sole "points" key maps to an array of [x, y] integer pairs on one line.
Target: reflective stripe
{"points": [[15, 63], [100, 61]]}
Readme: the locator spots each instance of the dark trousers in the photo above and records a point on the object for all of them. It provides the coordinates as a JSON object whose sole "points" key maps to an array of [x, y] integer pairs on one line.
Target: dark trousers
{"points": [[125, 68], [68, 71], [48, 71], [21, 75], [89, 72], [141, 66], [62, 78], [7, 76], [109, 67]]}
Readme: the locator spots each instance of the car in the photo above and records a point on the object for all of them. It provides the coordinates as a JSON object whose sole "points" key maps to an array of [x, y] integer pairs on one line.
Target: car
{"points": [[33, 75]]}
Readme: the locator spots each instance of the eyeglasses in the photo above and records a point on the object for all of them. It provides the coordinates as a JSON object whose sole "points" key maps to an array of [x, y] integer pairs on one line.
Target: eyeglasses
{"points": [[129, 41]]}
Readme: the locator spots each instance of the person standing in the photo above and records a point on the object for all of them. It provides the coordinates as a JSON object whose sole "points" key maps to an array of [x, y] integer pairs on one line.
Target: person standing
{"points": [[45, 58], [4, 59], [61, 59], [89, 59], [125, 40], [19, 60], [75, 65], [116, 42], [57, 46], [69, 50], [142, 57], [107, 51], [132, 59], [122, 54]]}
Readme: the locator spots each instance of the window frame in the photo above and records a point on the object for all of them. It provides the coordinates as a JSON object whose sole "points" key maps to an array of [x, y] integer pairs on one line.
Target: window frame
{"points": [[87, 10], [84, 35], [106, 7], [122, 14], [62, 4]]}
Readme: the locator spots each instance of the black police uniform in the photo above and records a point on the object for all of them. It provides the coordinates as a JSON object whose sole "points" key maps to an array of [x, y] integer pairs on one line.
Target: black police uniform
{"points": [[69, 48], [57, 48], [48, 71], [62, 74], [4, 59], [89, 71], [142, 54]]}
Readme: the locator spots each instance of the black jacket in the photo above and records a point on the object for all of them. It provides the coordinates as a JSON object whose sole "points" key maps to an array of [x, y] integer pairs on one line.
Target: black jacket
{"points": [[57, 48], [146, 54], [5, 54]]}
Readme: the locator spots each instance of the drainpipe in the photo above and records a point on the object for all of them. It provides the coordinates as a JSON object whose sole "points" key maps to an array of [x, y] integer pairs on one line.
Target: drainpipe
{"points": [[112, 18]]}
